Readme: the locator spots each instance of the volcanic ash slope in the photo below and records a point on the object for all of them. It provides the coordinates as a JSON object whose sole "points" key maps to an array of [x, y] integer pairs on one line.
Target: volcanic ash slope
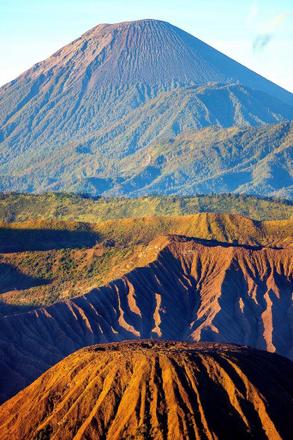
{"points": [[196, 290], [151, 390]]}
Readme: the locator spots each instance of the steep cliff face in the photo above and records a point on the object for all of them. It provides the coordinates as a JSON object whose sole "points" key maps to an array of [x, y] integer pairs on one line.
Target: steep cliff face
{"points": [[195, 290], [156, 390]]}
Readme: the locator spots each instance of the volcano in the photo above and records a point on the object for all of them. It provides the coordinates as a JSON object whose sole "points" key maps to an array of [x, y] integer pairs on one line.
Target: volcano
{"points": [[155, 390], [182, 288], [68, 123]]}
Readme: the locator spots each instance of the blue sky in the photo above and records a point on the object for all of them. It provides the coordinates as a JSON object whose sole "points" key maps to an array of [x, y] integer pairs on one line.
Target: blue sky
{"points": [[257, 33]]}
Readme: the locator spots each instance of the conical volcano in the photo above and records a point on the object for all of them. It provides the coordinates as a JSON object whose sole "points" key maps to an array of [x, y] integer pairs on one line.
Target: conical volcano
{"points": [[151, 52], [66, 124], [152, 390]]}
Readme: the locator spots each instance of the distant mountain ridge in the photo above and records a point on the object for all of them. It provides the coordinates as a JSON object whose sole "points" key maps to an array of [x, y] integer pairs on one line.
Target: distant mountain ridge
{"points": [[113, 92], [82, 208]]}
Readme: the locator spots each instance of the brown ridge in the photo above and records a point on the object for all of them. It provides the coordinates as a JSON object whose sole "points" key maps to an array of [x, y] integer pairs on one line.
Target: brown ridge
{"points": [[156, 390], [190, 291]]}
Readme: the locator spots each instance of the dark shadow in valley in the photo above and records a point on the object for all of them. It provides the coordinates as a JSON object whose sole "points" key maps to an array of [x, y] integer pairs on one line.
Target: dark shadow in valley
{"points": [[214, 243], [14, 309], [17, 240], [13, 279]]}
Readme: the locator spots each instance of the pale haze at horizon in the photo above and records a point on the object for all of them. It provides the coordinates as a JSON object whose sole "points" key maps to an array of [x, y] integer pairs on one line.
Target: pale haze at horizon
{"points": [[31, 30]]}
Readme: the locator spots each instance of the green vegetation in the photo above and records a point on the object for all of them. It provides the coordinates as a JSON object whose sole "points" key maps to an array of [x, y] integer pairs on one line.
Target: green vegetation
{"points": [[55, 246], [242, 160], [42, 261], [66, 207]]}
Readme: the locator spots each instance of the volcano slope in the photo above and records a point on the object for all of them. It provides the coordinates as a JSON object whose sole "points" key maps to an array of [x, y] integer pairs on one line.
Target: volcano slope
{"points": [[156, 390], [81, 120], [181, 288]]}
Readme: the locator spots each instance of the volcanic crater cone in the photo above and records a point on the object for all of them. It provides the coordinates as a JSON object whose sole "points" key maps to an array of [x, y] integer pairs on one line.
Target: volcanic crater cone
{"points": [[156, 390]]}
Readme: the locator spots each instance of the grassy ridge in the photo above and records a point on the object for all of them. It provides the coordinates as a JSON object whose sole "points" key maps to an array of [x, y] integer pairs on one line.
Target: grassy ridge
{"points": [[54, 206], [55, 246], [44, 261]]}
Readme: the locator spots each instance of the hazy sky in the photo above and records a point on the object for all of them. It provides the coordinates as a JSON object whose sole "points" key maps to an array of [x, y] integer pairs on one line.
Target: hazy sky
{"points": [[257, 33]]}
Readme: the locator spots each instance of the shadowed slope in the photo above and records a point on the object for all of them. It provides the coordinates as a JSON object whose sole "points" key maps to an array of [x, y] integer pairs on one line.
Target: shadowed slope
{"points": [[13, 279], [156, 390], [33, 239], [185, 291]]}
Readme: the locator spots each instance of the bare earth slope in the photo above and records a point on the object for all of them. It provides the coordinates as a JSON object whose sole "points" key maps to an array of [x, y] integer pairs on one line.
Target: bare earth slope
{"points": [[188, 289], [156, 391]]}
